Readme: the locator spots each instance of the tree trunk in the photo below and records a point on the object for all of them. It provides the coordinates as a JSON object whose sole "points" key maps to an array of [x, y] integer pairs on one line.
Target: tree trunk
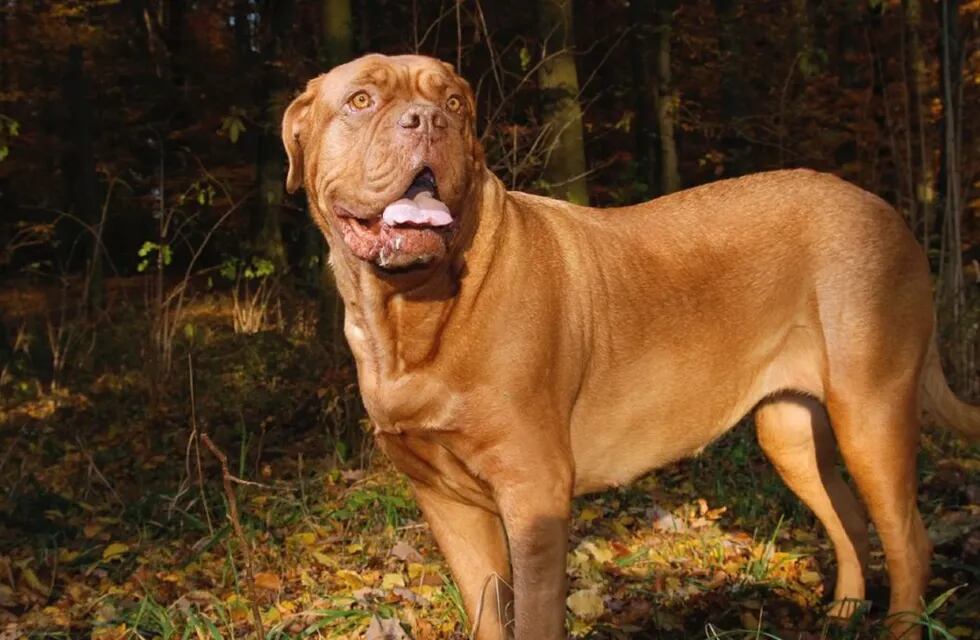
{"points": [[925, 189], [269, 168], [337, 47], [806, 45], [565, 167], [643, 129], [953, 290], [666, 100], [337, 31], [78, 162], [733, 99], [848, 38]]}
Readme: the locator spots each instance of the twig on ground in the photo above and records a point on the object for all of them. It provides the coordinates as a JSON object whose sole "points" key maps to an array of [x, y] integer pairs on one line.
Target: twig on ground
{"points": [[94, 468], [227, 479]]}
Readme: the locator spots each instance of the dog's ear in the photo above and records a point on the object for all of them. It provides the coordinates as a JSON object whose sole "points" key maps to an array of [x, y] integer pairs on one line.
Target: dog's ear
{"points": [[295, 132]]}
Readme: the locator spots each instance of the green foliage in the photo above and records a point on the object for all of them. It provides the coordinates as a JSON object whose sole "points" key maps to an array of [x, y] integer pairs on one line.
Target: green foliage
{"points": [[9, 128], [233, 124], [253, 268], [149, 249], [812, 61]]}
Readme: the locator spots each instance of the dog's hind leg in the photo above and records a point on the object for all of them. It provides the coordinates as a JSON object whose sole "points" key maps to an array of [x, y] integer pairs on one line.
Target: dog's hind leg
{"points": [[878, 434], [795, 434]]}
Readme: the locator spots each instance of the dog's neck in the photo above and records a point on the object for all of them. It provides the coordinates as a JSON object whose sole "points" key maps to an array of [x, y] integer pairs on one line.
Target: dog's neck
{"points": [[394, 320]]}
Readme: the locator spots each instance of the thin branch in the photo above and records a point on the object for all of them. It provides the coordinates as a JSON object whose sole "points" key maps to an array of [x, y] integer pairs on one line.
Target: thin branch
{"points": [[227, 480]]}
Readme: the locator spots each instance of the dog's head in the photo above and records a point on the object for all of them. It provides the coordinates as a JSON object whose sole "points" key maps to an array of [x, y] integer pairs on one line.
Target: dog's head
{"points": [[388, 152]]}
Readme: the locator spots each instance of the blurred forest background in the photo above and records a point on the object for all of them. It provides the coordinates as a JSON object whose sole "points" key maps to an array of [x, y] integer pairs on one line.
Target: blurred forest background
{"points": [[158, 287]]}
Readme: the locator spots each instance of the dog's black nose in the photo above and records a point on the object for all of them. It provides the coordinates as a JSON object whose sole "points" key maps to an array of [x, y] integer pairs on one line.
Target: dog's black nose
{"points": [[423, 118]]}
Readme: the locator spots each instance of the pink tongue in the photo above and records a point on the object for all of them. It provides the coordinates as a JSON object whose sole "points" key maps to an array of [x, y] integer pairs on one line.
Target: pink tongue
{"points": [[422, 210]]}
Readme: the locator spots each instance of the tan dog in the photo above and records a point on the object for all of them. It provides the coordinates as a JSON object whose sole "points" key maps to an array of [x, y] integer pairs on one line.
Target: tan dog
{"points": [[525, 350]]}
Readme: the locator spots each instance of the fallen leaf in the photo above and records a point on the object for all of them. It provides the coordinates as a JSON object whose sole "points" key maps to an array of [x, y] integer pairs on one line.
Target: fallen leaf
{"points": [[405, 552], [114, 550], [304, 539], [387, 629], [392, 580], [586, 604], [588, 514], [664, 520], [268, 581], [810, 577]]}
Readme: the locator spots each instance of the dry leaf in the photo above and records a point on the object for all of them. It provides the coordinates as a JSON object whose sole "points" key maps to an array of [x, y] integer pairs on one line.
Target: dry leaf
{"points": [[268, 581], [387, 629], [392, 580], [114, 550], [586, 604], [405, 552]]}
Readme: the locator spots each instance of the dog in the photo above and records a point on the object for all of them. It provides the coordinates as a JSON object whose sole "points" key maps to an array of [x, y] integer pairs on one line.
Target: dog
{"points": [[514, 351]]}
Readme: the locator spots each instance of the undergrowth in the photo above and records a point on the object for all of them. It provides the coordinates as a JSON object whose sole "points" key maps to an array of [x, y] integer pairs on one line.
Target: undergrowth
{"points": [[113, 519]]}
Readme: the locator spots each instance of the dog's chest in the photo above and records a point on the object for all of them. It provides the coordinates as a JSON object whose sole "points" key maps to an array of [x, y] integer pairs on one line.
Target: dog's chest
{"points": [[398, 398], [431, 460], [409, 402]]}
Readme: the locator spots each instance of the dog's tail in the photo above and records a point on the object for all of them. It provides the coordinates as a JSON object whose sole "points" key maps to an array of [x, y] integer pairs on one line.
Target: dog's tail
{"points": [[940, 401]]}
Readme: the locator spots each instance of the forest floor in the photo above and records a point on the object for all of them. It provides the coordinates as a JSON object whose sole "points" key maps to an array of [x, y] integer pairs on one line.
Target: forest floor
{"points": [[113, 513]]}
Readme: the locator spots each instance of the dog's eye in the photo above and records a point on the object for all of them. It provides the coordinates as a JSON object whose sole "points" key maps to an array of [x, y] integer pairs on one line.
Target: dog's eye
{"points": [[454, 104], [360, 100]]}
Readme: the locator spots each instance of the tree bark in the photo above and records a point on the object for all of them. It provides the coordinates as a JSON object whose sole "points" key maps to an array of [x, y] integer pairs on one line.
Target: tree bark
{"points": [[666, 99], [925, 189], [733, 99], [78, 163], [337, 47], [952, 284], [644, 130], [337, 32], [565, 166], [269, 167]]}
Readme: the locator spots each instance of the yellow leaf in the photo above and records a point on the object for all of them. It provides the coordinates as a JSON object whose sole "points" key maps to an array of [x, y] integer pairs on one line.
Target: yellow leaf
{"points": [[600, 550], [588, 514], [114, 550], [268, 581], [305, 539], [237, 607], [33, 581], [64, 555], [323, 559], [271, 615], [749, 620], [392, 580], [117, 632], [415, 570], [355, 547], [810, 577], [350, 579], [58, 616], [586, 604]]}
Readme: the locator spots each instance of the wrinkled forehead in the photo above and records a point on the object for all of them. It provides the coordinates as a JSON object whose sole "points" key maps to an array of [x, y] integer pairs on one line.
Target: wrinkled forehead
{"points": [[419, 75]]}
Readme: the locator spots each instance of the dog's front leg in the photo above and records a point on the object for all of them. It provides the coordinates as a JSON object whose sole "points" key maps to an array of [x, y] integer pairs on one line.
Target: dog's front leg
{"points": [[472, 540], [536, 513]]}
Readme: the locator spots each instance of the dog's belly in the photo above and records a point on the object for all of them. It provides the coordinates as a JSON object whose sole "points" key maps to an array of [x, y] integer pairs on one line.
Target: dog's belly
{"points": [[661, 409], [627, 441]]}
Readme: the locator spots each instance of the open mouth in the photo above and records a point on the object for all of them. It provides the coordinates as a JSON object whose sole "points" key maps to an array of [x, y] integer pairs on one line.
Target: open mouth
{"points": [[412, 230]]}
